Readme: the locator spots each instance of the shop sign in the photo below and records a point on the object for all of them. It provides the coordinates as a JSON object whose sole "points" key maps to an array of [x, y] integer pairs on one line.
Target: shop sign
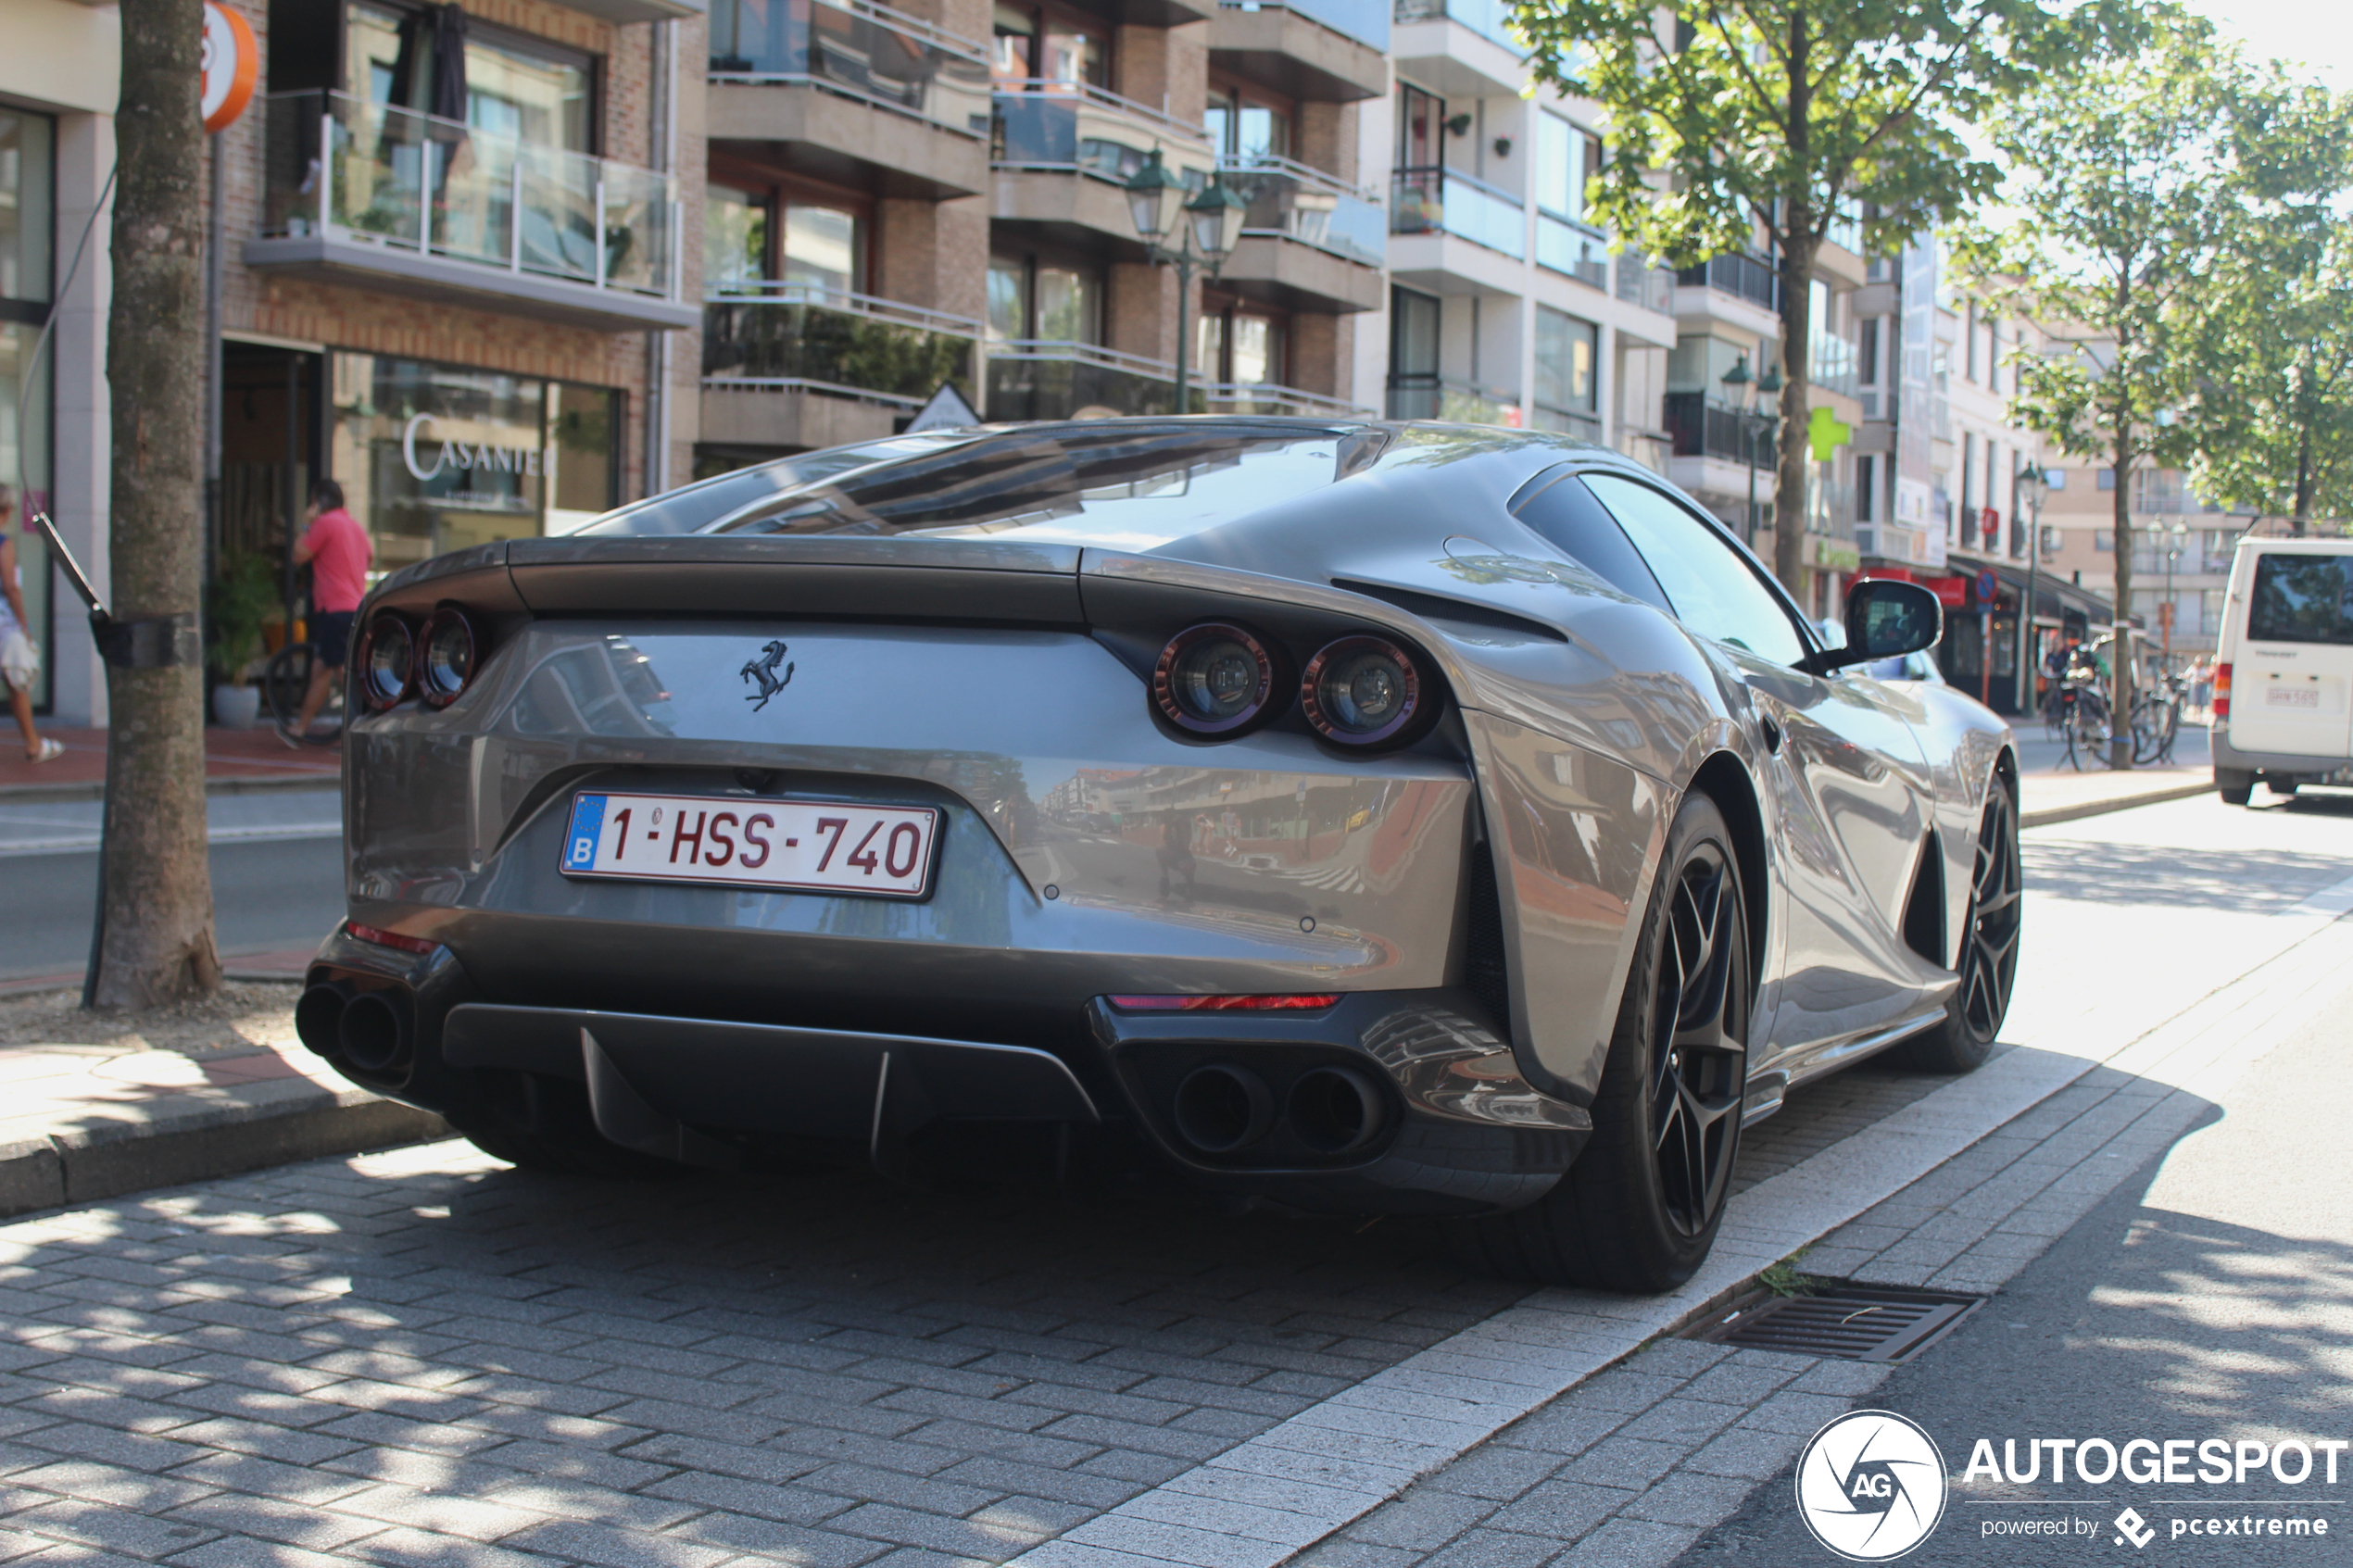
{"points": [[1836, 555], [231, 66], [1951, 592], [461, 456]]}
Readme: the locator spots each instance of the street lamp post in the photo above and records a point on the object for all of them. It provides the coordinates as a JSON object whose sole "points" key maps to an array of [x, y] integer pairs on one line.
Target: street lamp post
{"points": [[2174, 537], [1747, 389], [2034, 488], [1154, 197]]}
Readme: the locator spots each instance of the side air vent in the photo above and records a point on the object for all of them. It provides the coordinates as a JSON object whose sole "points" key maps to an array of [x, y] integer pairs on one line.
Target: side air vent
{"points": [[1484, 975]]}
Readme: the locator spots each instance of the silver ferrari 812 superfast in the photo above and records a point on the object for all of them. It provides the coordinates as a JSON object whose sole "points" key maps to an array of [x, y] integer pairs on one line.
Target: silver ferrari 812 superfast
{"points": [[1354, 817]]}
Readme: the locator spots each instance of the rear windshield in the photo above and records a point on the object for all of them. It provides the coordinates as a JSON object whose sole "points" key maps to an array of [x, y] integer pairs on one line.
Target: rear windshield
{"points": [[695, 508], [1125, 486], [2301, 598]]}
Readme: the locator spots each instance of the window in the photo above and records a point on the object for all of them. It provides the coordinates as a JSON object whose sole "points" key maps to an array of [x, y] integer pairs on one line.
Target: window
{"points": [[1714, 592], [1028, 298], [2300, 598], [735, 231], [1413, 334], [1242, 128], [1420, 123], [1572, 521], [1241, 346], [1969, 488], [1867, 353], [822, 246], [2105, 478], [1008, 50], [1567, 159], [1033, 44], [506, 84], [1866, 489], [1565, 354]]}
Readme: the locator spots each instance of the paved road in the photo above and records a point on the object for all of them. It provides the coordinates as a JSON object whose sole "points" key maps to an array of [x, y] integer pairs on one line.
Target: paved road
{"points": [[424, 1357], [277, 876]]}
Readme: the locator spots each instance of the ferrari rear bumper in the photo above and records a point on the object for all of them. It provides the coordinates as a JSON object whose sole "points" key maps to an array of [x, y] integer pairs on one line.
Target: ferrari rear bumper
{"points": [[1385, 1102]]}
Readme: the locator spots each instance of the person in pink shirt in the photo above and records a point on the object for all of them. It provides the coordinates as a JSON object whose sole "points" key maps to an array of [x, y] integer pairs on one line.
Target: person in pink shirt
{"points": [[338, 550]]}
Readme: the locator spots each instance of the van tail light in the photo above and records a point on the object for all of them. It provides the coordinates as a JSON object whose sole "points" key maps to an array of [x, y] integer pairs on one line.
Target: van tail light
{"points": [[2222, 691]]}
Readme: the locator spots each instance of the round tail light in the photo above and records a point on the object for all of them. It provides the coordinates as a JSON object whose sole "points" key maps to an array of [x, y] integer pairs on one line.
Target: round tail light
{"points": [[1213, 679], [1365, 691], [388, 662], [445, 657]]}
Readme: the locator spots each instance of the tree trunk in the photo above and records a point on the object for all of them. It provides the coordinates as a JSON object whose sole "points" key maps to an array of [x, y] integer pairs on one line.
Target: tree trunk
{"points": [[1797, 453], [158, 897]]}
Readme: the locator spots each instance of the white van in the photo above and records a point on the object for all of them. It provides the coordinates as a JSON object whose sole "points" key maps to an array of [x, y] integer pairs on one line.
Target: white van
{"points": [[2284, 675]]}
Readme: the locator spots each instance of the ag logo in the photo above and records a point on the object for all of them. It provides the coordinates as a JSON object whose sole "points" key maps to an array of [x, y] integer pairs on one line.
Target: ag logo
{"points": [[1871, 1485]]}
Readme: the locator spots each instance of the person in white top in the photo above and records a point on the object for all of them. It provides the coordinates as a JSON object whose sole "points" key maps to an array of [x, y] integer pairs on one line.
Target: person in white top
{"points": [[19, 656]]}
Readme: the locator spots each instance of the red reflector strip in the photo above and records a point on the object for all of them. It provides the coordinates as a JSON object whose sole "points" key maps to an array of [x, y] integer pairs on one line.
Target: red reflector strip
{"points": [[389, 938], [1224, 1004]]}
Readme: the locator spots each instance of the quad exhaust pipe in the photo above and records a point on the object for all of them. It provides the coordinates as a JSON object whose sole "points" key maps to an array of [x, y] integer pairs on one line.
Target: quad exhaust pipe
{"points": [[1224, 1109]]}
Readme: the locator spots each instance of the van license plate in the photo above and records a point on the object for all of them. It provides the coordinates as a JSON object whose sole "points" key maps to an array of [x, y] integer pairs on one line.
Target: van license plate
{"points": [[2292, 696], [743, 841]]}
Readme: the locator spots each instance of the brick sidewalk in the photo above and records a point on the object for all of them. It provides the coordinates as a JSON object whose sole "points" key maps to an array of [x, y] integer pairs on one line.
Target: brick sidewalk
{"points": [[247, 755], [95, 1107]]}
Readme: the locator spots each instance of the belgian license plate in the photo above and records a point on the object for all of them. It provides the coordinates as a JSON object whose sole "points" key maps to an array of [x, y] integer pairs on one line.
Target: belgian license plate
{"points": [[2292, 696], [792, 846]]}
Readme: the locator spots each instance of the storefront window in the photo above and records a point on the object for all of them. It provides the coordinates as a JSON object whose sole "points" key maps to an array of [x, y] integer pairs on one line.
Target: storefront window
{"points": [[27, 236], [436, 458]]}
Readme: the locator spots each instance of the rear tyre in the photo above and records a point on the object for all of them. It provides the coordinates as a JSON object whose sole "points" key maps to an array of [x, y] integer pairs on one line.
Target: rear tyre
{"points": [[2236, 786], [545, 1125], [1637, 1210], [2283, 787], [1988, 964]]}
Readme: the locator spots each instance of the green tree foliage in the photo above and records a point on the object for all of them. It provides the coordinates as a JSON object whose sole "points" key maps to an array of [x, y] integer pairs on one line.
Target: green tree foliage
{"points": [[2270, 342], [2138, 183], [1739, 121]]}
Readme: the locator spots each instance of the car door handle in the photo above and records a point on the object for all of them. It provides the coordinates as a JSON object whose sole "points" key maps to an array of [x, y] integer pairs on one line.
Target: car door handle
{"points": [[1772, 733]]}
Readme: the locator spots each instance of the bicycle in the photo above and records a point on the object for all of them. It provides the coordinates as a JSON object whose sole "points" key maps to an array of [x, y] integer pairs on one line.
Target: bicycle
{"points": [[285, 680], [2156, 719], [2088, 727]]}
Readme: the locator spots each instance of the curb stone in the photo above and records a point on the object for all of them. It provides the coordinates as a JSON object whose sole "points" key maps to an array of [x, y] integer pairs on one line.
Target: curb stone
{"points": [[2050, 815]]}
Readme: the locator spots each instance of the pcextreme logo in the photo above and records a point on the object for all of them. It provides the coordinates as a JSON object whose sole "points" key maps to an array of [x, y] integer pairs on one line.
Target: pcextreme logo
{"points": [[1871, 1485]]}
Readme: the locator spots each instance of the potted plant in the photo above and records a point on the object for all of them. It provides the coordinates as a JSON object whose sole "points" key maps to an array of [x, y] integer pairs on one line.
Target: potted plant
{"points": [[244, 595]]}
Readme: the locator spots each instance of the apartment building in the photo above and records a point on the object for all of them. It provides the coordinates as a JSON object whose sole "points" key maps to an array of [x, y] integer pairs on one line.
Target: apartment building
{"points": [[2182, 550]]}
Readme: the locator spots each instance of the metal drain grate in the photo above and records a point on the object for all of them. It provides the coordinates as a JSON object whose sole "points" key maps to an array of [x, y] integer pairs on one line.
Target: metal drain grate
{"points": [[1850, 1322]]}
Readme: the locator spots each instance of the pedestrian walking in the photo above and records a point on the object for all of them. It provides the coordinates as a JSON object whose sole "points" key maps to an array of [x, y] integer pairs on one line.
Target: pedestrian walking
{"points": [[337, 551], [19, 655]]}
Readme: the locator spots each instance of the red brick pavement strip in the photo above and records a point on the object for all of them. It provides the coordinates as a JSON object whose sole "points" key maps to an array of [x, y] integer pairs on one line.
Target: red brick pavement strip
{"points": [[228, 754]]}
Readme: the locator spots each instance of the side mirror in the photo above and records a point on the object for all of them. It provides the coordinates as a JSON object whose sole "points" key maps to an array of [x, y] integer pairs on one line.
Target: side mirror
{"points": [[1885, 619]]}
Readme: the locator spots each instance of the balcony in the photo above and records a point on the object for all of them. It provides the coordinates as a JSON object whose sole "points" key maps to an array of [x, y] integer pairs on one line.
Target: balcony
{"points": [[1413, 396], [1230, 397], [1429, 201], [1702, 427], [1308, 242], [1582, 423], [1486, 18], [441, 211], [1652, 288], [1744, 277], [1036, 379], [1322, 51], [1572, 250], [797, 364], [854, 91], [1045, 132]]}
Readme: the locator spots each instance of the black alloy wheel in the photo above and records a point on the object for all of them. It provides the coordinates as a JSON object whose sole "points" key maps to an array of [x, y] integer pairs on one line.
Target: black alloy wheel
{"points": [[1987, 963], [1698, 1060], [1639, 1209]]}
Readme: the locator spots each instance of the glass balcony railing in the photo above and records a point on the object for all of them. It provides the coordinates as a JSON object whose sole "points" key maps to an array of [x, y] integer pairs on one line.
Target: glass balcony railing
{"points": [[337, 166], [1365, 21], [1421, 396], [1036, 379], [1652, 288], [1070, 126], [1486, 18], [1236, 398], [1430, 201], [1751, 278], [1584, 424], [768, 336], [1572, 250], [856, 49], [1302, 203]]}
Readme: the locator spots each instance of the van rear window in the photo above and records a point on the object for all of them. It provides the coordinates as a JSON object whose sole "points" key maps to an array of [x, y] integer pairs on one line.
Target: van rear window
{"points": [[2301, 598]]}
